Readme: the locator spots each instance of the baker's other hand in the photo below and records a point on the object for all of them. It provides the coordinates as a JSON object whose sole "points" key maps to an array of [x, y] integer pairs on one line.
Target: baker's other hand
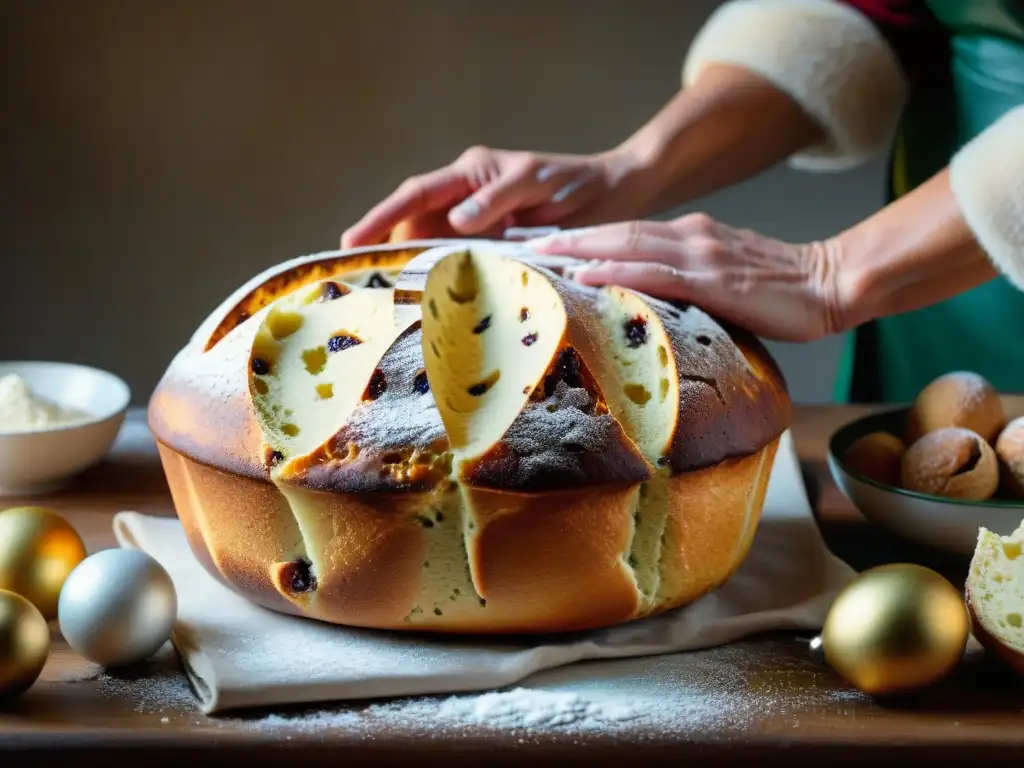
{"points": [[487, 190], [774, 289]]}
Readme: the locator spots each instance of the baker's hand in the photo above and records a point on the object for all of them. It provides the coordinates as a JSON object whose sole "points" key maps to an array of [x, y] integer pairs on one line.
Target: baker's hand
{"points": [[775, 289], [487, 190]]}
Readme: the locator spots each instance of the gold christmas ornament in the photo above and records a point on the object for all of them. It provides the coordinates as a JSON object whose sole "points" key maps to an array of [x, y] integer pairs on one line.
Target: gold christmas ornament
{"points": [[24, 644], [118, 607], [38, 550], [896, 628]]}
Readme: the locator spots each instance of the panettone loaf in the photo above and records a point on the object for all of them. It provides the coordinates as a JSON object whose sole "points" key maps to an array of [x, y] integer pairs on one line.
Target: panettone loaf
{"points": [[473, 444]]}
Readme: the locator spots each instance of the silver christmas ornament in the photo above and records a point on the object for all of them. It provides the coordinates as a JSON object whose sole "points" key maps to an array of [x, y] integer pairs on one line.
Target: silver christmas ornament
{"points": [[117, 607]]}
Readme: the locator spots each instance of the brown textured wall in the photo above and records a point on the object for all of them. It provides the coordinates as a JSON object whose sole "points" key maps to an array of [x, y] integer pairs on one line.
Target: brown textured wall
{"points": [[156, 153]]}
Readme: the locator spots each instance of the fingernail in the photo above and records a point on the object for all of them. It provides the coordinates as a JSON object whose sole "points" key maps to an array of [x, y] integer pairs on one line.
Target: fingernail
{"points": [[528, 233], [468, 209], [567, 190], [576, 270], [571, 187], [546, 172]]}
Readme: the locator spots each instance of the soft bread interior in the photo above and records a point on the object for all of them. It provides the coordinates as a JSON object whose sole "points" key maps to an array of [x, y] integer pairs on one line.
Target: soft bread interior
{"points": [[313, 361], [995, 585], [640, 378], [446, 587], [641, 383], [491, 329]]}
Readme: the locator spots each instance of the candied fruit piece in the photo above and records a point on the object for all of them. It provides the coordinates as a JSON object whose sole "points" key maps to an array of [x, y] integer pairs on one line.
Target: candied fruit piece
{"points": [[283, 324], [483, 325], [481, 388], [638, 393], [566, 369], [635, 329], [420, 384], [315, 360], [529, 339], [298, 576], [343, 341], [377, 386], [332, 291]]}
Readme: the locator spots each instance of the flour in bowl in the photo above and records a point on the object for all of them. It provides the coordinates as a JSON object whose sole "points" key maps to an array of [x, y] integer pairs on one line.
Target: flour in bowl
{"points": [[21, 410]]}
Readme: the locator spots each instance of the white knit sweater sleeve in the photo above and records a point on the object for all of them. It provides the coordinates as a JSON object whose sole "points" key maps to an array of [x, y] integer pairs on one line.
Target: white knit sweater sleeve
{"points": [[827, 56], [987, 179]]}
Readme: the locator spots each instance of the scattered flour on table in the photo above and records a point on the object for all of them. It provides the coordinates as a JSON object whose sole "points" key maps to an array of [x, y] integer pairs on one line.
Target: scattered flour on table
{"points": [[158, 686], [635, 696], [628, 696], [526, 708], [162, 690]]}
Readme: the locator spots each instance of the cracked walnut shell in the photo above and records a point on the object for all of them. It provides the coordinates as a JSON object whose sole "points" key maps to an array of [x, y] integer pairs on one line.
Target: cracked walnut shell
{"points": [[953, 462]]}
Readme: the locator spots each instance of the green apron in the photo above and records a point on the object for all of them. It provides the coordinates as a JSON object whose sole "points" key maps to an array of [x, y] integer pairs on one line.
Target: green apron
{"points": [[893, 358]]}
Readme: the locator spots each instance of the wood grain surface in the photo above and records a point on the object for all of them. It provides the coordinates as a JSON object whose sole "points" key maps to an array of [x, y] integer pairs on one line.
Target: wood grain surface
{"points": [[764, 699]]}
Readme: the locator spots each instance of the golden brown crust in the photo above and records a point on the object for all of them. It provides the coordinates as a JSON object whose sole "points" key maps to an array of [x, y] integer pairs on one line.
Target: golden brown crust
{"points": [[713, 516], [539, 563], [378, 263], [236, 526], [202, 406], [733, 399], [553, 562], [1011, 657]]}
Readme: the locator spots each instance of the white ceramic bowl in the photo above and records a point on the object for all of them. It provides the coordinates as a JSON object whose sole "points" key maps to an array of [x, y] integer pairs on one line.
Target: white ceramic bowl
{"points": [[42, 461], [947, 524]]}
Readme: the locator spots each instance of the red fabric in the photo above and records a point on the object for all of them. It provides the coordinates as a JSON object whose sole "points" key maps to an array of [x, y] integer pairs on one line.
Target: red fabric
{"points": [[920, 42]]}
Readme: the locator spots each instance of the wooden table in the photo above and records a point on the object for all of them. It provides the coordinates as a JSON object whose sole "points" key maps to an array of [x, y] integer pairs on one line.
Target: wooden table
{"points": [[780, 703]]}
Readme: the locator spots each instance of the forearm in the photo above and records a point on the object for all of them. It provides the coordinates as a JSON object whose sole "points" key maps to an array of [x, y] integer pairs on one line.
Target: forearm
{"points": [[915, 252], [815, 83], [960, 229], [730, 125]]}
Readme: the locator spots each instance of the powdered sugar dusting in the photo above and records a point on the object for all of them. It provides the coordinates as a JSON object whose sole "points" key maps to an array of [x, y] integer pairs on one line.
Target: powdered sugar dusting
{"points": [[401, 417], [662, 696], [668, 695], [526, 708], [157, 687]]}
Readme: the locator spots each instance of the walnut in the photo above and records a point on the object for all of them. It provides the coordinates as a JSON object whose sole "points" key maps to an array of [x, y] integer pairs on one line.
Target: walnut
{"points": [[1010, 452], [953, 462], [878, 456], [959, 399]]}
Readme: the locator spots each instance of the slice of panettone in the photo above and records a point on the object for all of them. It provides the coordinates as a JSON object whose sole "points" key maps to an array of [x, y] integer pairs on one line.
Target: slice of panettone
{"points": [[995, 595], [510, 359], [314, 359], [391, 440]]}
